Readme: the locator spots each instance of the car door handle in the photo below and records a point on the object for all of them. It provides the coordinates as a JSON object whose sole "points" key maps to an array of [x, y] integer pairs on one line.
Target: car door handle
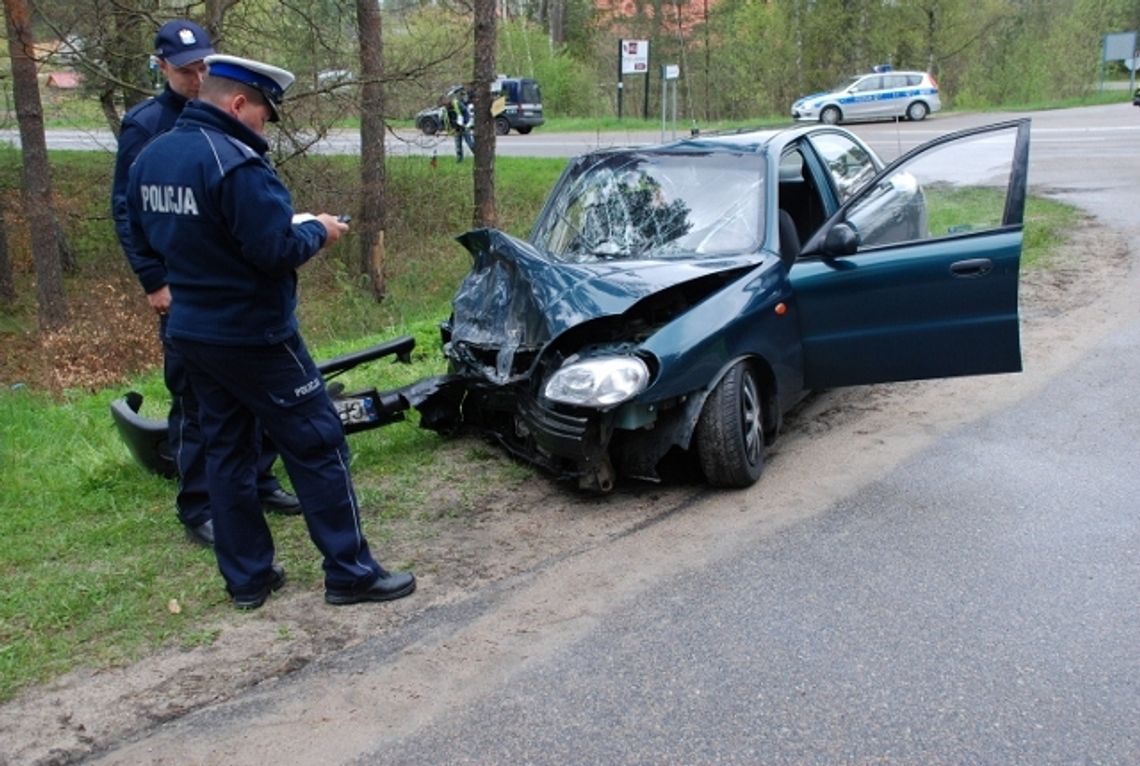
{"points": [[975, 267]]}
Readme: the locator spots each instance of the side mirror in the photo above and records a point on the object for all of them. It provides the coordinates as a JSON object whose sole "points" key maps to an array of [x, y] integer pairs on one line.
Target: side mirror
{"points": [[841, 240]]}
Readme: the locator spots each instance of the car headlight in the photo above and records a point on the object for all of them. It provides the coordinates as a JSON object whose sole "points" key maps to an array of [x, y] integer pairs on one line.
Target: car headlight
{"points": [[598, 382]]}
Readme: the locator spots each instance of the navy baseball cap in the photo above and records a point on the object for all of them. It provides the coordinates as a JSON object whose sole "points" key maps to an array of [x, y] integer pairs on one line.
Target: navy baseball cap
{"points": [[270, 81], [182, 42]]}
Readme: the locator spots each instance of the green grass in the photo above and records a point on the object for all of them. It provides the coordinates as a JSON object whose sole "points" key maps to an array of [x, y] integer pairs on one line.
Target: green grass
{"points": [[1096, 98], [88, 564], [973, 209], [1047, 224], [93, 555]]}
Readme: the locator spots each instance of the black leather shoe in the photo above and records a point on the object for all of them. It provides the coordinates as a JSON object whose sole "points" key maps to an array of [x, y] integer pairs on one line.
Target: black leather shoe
{"points": [[257, 598], [389, 586], [203, 534], [282, 502]]}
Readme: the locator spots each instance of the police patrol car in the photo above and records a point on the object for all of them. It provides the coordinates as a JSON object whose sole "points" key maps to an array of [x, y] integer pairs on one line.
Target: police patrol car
{"points": [[879, 95]]}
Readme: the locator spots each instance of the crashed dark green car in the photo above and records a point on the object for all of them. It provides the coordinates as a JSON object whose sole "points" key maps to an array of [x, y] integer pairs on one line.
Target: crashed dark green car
{"points": [[680, 299]]}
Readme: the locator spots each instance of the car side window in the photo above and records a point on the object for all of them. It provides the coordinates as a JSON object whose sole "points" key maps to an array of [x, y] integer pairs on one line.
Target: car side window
{"points": [[956, 189], [849, 165], [869, 83], [798, 196]]}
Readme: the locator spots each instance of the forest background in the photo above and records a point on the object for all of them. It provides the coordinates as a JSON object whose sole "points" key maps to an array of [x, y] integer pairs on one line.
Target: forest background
{"points": [[739, 59]]}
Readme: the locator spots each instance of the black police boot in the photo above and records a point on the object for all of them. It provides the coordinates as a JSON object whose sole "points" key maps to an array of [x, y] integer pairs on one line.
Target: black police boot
{"points": [[203, 534], [282, 502], [389, 586], [257, 598]]}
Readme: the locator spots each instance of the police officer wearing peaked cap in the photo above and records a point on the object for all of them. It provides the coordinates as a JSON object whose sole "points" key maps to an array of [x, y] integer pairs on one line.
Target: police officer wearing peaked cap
{"points": [[205, 199], [180, 46], [270, 81]]}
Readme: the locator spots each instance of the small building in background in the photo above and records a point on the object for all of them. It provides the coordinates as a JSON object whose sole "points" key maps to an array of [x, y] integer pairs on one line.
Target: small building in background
{"points": [[64, 80]]}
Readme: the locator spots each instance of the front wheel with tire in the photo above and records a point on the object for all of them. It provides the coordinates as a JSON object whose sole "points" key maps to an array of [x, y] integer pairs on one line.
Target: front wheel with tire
{"points": [[830, 115], [502, 126], [730, 432], [917, 112]]}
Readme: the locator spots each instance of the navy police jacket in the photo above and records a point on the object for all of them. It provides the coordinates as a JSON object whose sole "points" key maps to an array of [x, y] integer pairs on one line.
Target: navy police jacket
{"points": [[204, 200], [142, 123]]}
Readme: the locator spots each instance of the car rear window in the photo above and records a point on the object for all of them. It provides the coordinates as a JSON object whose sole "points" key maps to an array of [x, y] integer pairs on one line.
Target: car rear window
{"points": [[529, 92]]}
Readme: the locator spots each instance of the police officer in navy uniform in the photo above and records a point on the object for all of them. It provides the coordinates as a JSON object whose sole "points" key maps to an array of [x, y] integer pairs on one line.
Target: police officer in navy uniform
{"points": [[204, 199], [180, 48]]}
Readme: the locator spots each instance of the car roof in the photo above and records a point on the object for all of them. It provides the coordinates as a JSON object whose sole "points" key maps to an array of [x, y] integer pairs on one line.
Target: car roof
{"points": [[892, 71], [747, 140]]}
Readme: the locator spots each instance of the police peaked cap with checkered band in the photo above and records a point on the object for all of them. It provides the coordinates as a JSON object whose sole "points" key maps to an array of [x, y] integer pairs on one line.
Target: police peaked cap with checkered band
{"points": [[270, 81]]}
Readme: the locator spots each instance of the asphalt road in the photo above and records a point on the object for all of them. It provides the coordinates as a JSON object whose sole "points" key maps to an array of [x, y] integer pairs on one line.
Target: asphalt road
{"points": [[975, 602], [978, 605], [1110, 131]]}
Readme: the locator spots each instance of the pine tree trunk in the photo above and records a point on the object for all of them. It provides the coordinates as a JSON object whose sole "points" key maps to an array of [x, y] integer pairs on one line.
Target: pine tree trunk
{"points": [[38, 210], [484, 178], [371, 227], [7, 284]]}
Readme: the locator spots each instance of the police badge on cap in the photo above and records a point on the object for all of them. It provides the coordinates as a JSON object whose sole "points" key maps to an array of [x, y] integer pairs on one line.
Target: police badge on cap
{"points": [[270, 81], [181, 42]]}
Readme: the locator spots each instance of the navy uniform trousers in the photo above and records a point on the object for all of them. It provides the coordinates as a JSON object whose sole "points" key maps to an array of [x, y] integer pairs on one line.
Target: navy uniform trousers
{"points": [[464, 136], [240, 390], [188, 451]]}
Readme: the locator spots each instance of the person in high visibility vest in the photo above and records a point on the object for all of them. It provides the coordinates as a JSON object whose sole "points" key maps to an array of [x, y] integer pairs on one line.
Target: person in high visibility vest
{"points": [[459, 118]]}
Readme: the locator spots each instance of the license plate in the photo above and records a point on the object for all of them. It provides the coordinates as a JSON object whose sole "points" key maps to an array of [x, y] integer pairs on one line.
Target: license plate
{"points": [[357, 411]]}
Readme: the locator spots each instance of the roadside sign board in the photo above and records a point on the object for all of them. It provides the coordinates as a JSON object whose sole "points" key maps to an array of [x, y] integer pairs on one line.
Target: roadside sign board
{"points": [[634, 56]]}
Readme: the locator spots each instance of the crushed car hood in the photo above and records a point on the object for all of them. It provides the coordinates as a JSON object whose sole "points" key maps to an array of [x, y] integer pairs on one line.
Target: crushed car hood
{"points": [[517, 297]]}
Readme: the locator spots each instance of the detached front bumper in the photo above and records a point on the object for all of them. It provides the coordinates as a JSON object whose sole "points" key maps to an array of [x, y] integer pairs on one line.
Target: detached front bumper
{"points": [[145, 438]]}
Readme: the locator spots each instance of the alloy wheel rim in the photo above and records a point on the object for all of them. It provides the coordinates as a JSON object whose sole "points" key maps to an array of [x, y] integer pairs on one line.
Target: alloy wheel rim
{"points": [[750, 419]]}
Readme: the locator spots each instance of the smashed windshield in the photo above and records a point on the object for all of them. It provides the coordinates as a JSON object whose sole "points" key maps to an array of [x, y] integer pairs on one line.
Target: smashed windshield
{"points": [[650, 206]]}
